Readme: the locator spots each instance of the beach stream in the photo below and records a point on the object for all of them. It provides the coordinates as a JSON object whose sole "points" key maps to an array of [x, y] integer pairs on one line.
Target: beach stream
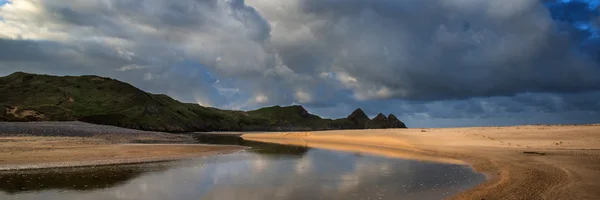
{"points": [[264, 171]]}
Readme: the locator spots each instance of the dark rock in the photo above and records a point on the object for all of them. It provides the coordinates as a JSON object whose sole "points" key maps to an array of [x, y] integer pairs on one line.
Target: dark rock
{"points": [[358, 114], [301, 111], [380, 117], [360, 119], [380, 121], [394, 122]]}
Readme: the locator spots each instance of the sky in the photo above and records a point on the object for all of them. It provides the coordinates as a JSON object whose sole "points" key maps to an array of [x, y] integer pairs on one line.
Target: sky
{"points": [[434, 63]]}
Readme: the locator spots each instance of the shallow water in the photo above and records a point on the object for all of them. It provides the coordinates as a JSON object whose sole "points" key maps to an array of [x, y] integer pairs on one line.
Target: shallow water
{"points": [[267, 171]]}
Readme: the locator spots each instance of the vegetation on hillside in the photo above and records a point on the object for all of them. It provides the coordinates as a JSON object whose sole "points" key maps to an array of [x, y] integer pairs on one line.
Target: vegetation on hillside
{"points": [[100, 100]]}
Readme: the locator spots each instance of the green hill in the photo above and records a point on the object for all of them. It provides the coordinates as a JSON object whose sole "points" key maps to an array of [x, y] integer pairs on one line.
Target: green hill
{"points": [[100, 100]]}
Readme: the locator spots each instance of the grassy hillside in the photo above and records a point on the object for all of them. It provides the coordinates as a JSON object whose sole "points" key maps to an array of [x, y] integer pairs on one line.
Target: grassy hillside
{"points": [[32, 97]]}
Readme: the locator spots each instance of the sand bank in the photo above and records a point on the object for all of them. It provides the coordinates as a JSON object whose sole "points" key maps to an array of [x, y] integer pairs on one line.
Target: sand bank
{"points": [[521, 162], [52, 152]]}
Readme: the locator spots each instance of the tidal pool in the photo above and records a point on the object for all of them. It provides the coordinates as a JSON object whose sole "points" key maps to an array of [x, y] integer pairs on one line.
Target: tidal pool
{"points": [[266, 171]]}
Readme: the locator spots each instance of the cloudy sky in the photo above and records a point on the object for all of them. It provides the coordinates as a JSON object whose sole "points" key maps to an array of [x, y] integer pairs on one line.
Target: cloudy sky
{"points": [[433, 63]]}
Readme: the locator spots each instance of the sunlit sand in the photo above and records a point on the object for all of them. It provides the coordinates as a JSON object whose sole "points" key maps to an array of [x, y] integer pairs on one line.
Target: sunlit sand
{"points": [[52, 152], [521, 162]]}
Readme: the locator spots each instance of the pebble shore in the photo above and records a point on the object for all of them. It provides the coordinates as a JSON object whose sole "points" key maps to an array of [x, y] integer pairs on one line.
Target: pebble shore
{"points": [[82, 129]]}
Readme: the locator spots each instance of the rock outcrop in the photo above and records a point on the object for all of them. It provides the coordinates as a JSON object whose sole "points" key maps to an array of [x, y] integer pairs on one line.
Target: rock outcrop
{"points": [[380, 121], [394, 122], [359, 118]]}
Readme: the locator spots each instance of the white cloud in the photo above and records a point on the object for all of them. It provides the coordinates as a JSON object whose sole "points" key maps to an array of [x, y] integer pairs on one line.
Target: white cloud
{"points": [[131, 67], [261, 99], [303, 97]]}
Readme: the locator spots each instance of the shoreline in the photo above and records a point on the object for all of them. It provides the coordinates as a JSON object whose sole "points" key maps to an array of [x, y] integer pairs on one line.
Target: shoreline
{"points": [[28, 153], [109, 162], [41, 145], [97, 163], [519, 162]]}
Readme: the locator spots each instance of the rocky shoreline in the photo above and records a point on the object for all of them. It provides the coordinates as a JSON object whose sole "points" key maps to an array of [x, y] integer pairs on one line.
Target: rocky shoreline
{"points": [[82, 129]]}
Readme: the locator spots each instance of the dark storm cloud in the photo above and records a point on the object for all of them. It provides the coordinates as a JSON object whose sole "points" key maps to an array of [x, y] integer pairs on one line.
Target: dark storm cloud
{"points": [[149, 43], [49, 56], [55, 58], [108, 15], [438, 50], [19, 50], [438, 59]]}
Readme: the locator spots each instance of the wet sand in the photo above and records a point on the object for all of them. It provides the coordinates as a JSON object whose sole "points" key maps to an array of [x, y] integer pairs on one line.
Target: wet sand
{"points": [[521, 162], [52, 152]]}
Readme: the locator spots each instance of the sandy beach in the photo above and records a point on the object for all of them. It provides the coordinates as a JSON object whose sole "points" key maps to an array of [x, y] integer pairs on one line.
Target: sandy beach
{"points": [[35, 145], [52, 152], [521, 162]]}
